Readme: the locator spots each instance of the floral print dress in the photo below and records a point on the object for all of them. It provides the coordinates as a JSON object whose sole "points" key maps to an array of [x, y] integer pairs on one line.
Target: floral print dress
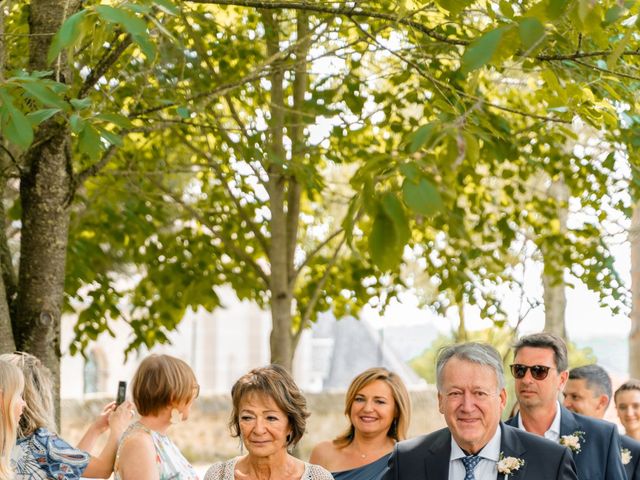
{"points": [[44, 455], [170, 462]]}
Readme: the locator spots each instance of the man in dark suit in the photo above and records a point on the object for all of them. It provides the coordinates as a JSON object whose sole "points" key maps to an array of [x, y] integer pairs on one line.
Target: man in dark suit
{"points": [[540, 369], [588, 392], [476, 445]]}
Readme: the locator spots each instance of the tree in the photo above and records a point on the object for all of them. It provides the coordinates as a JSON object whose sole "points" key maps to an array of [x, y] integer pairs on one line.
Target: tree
{"points": [[438, 117]]}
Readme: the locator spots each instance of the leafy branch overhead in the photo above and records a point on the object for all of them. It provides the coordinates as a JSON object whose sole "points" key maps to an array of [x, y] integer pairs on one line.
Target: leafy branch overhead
{"points": [[320, 156]]}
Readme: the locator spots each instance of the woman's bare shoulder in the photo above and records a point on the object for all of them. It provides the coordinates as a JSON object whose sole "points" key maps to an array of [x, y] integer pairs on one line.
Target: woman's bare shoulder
{"points": [[325, 454]]}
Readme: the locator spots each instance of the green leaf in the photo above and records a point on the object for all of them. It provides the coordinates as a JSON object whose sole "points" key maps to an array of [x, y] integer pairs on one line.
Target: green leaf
{"points": [[422, 197], [130, 22], [77, 123], [452, 6], [613, 14], [382, 243], [395, 211], [167, 6], [116, 119], [44, 95], [506, 9], [531, 32], [39, 116], [480, 52], [613, 57], [80, 103], [556, 8], [18, 128], [183, 112], [411, 171], [89, 142], [421, 136], [68, 33], [112, 138], [146, 46]]}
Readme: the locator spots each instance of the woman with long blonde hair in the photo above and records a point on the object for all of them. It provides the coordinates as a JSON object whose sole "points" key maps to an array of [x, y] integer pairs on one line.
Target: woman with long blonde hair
{"points": [[378, 408], [11, 406], [40, 452]]}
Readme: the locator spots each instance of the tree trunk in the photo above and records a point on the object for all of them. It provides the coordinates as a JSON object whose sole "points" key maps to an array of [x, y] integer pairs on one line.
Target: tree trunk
{"points": [[634, 337], [554, 296], [45, 188], [281, 293], [7, 343], [461, 335]]}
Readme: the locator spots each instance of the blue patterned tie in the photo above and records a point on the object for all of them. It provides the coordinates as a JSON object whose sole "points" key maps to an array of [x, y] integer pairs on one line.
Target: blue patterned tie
{"points": [[470, 463]]}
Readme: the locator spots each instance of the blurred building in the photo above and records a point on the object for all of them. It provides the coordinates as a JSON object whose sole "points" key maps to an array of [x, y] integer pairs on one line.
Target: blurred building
{"points": [[224, 344]]}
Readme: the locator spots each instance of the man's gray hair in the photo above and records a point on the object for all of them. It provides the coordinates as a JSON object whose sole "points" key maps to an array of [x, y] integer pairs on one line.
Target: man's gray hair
{"points": [[596, 378], [479, 353]]}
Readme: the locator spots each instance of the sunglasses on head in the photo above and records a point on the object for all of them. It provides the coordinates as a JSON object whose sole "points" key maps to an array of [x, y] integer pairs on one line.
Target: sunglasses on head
{"points": [[538, 372]]}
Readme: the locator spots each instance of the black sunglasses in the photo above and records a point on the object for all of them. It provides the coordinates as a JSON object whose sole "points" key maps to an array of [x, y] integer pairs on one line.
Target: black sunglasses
{"points": [[538, 372]]}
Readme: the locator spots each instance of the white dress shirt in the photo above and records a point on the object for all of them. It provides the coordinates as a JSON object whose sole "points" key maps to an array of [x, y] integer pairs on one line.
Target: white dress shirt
{"points": [[487, 468], [553, 433]]}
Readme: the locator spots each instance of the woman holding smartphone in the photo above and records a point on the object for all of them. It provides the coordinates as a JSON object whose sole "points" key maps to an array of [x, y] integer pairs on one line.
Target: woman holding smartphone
{"points": [[40, 453]]}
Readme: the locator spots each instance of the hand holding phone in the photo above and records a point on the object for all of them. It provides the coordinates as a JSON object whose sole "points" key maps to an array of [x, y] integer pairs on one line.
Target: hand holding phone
{"points": [[122, 392]]}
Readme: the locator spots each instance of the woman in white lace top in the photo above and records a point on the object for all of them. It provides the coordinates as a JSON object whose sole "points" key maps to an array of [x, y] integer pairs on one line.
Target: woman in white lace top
{"points": [[269, 416]]}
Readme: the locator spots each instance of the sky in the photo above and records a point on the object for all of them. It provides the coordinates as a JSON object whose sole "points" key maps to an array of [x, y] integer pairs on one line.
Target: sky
{"points": [[583, 315]]}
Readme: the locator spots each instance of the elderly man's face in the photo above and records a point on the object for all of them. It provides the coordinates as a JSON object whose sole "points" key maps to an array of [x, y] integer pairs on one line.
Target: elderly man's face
{"points": [[471, 403]]}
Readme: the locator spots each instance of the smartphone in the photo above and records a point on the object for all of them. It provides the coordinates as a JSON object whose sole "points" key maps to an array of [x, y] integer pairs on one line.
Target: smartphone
{"points": [[122, 392]]}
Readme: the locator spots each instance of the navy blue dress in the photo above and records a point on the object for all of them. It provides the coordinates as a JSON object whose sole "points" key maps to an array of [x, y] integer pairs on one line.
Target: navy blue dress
{"points": [[370, 471]]}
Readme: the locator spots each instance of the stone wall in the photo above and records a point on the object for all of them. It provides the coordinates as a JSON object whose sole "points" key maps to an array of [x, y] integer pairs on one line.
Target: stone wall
{"points": [[205, 438]]}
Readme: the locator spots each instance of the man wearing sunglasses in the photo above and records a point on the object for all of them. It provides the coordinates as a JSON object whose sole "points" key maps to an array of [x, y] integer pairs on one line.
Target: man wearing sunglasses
{"points": [[589, 392], [476, 445], [540, 371]]}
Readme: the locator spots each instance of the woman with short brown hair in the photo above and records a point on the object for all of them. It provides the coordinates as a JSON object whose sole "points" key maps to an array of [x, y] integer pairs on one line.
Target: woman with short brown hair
{"points": [[164, 389], [269, 416]]}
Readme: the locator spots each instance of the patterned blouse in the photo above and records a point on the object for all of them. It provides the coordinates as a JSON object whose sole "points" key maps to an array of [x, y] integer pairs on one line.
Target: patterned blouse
{"points": [[44, 455], [170, 462], [225, 471]]}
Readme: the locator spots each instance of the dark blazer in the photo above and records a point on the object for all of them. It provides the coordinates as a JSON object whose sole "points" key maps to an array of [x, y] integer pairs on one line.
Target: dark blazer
{"points": [[599, 457], [633, 467], [427, 457]]}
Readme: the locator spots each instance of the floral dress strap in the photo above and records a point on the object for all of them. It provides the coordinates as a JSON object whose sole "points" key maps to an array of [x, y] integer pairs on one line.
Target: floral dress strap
{"points": [[170, 462]]}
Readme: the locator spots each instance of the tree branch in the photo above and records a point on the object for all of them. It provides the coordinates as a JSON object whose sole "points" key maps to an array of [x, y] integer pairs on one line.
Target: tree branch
{"points": [[605, 70], [313, 253], [229, 244], [316, 293], [352, 12], [297, 138], [104, 64], [321, 7], [437, 84], [243, 214], [92, 170]]}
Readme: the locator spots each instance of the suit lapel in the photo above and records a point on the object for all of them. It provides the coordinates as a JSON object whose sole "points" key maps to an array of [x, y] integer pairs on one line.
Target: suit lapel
{"points": [[511, 446], [568, 422], [436, 463]]}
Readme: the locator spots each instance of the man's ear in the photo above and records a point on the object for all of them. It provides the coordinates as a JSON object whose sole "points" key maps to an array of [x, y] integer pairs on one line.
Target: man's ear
{"points": [[564, 378], [440, 407], [603, 403]]}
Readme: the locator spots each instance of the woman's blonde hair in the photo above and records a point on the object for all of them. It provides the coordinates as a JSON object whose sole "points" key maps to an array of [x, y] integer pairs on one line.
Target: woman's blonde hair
{"points": [[38, 390], [402, 414], [11, 385], [162, 381]]}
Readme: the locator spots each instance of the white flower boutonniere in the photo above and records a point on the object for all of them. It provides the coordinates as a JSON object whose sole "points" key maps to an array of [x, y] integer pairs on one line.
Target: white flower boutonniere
{"points": [[573, 441], [508, 465], [625, 454]]}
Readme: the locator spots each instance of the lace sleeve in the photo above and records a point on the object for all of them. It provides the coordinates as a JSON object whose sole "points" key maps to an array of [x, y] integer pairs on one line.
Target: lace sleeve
{"points": [[221, 470], [316, 472]]}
